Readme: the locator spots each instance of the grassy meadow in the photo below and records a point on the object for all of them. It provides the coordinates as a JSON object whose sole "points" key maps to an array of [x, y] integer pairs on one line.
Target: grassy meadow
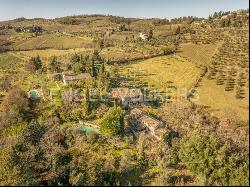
{"points": [[8, 60], [161, 74], [56, 41], [219, 101]]}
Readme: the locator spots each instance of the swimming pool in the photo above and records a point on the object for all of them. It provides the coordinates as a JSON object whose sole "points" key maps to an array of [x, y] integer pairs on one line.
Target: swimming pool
{"points": [[87, 129]]}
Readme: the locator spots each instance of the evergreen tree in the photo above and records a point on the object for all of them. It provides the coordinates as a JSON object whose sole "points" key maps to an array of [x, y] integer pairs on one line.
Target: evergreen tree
{"points": [[35, 63], [86, 103], [141, 156], [82, 64], [217, 160], [55, 65], [150, 34], [95, 55], [113, 122], [79, 66], [75, 58], [93, 70], [178, 30]]}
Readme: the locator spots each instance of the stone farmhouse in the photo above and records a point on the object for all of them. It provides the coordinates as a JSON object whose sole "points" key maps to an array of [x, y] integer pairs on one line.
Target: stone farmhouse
{"points": [[127, 97], [144, 122]]}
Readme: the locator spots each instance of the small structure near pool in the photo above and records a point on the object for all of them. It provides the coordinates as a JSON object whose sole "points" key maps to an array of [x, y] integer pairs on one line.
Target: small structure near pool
{"points": [[34, 95]]}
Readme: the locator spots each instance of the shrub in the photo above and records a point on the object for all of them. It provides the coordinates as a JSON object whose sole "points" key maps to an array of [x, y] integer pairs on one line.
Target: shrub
{"points": [[32, 133], [168, 51], [170, 159], [35, 64], [168, 137]]}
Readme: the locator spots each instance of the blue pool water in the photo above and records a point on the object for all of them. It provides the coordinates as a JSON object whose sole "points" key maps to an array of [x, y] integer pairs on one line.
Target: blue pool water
{"points": [[87, 129]]}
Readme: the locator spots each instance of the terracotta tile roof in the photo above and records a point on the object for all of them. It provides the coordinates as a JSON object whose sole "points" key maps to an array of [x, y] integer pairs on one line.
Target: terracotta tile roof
{"points": [[136, 112], [160, 132], [149, 121], [125, 93]]}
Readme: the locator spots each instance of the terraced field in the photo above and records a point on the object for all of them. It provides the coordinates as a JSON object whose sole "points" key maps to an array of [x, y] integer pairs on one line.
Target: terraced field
{"points": [[130, 52], [200, 54], [50, 52]]}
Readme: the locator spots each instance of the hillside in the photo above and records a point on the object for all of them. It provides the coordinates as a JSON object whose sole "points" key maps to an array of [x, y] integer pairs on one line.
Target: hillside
{"points": [[107, 100]]}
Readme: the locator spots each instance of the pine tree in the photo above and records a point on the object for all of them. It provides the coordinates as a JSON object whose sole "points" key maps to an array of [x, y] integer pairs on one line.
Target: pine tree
{"points": [[55, 65], [75, 58], [101, 80]]}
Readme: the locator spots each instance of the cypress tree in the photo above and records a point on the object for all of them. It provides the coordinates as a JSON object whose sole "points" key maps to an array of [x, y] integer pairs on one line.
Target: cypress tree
{"points": [[86, 103]]}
